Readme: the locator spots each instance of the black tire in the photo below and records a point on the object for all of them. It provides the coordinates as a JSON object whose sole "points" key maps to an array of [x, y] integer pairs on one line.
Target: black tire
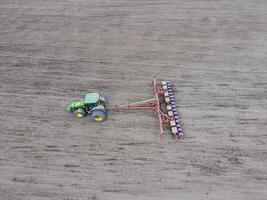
{"points": [[107, 100], [163, 108], [79, 113], [99, 115], [161, 99]]}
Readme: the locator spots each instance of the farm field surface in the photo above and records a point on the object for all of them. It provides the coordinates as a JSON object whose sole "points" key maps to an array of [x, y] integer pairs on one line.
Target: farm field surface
{"points": [[54, 52]]}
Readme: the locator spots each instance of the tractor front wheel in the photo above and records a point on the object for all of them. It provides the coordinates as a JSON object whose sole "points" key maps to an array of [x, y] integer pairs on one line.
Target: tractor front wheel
{"points": [[99, 115], [79, 113]]}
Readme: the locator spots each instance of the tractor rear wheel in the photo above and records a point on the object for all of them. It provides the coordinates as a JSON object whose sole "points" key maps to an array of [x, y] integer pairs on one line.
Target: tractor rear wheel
{"points": [[99, 115], [79, 113]]}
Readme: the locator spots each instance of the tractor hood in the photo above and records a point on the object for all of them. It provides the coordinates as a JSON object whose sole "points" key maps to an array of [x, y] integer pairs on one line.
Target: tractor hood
{"points": [[75, 105]]}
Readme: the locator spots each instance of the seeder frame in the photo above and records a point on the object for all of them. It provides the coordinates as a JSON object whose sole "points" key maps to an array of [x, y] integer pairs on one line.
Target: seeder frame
{"points": [[171, 118]]}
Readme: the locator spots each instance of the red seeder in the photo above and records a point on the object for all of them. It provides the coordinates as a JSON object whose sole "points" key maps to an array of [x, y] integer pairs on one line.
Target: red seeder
{"points": [[164, 104]]}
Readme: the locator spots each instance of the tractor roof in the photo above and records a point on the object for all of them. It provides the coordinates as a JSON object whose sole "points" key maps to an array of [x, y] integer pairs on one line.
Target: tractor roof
{"points": [[91, 98]]}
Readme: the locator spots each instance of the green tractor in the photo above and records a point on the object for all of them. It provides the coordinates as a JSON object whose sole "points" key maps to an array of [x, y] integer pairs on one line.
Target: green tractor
{"points": [[94, 104]]}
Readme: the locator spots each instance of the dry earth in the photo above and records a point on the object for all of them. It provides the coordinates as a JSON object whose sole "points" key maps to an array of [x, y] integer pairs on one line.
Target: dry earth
{"points": [[53, 52]]}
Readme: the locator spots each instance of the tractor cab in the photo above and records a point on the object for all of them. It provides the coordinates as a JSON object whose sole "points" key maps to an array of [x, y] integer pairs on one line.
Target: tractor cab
{"points": [[91, 100]]}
